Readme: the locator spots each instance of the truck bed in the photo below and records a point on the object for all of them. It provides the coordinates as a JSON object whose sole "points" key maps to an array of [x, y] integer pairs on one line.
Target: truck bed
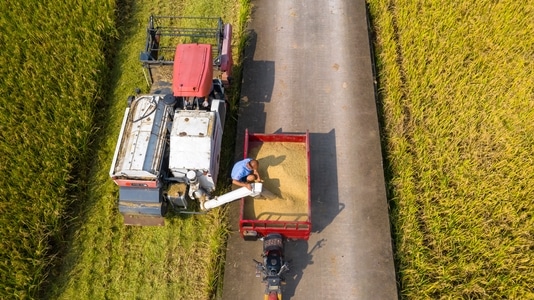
{"points": [[285, 206]]}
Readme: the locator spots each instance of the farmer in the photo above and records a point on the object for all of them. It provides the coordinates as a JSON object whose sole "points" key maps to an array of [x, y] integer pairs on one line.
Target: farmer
{"points": [[245, 172]]}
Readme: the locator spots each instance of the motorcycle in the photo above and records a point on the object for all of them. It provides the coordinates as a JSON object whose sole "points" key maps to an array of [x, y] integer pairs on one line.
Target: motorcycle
{"points": [[273, 266]]}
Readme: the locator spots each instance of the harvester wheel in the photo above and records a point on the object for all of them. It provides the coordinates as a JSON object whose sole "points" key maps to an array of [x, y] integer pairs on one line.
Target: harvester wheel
{"points": [[164, 207]]}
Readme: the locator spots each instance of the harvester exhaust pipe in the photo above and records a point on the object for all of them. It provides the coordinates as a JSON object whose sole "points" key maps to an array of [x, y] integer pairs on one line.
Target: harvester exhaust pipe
{"points": [[233, 195]]}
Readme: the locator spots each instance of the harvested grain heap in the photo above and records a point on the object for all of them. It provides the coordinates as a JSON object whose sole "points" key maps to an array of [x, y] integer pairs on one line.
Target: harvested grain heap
{"points": [[176, 189], [283, 168]]}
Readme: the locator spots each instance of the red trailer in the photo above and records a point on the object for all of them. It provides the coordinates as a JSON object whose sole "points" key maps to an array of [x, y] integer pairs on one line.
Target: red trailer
{"points": [[285, 209]]}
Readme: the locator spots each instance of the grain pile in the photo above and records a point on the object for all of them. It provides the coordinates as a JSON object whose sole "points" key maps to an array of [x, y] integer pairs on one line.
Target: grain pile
{"points": [[283, 168], [176, 189]]}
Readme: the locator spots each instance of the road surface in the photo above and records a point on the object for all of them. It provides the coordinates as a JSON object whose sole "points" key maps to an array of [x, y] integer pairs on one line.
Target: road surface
{"points": [[308, 67]]}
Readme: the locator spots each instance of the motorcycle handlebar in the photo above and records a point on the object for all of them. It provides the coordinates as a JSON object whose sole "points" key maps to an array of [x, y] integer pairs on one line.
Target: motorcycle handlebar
{"points": [[283, 269]]}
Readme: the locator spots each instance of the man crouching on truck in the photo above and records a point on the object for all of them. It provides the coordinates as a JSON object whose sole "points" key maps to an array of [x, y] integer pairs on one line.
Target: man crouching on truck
{"points": [[245, 172]]}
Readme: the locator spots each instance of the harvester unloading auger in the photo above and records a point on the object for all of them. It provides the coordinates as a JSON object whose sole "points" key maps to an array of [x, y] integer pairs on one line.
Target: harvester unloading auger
{"points": [[169, 144]]}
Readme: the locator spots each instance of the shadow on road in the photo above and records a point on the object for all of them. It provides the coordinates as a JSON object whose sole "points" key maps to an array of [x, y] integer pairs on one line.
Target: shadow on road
{"points": [[298, 249], [325, 205], [257, 88]]}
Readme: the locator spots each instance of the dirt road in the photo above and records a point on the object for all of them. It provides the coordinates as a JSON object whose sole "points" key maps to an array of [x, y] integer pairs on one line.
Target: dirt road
{"points": [[309, 67]]}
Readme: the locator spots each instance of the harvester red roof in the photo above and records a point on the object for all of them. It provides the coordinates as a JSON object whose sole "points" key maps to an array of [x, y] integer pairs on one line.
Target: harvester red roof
{"points": [[192, 71]]}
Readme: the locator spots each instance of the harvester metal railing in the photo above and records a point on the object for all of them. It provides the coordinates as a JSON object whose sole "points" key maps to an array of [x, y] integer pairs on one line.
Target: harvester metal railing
{"points": [[164, 33]]}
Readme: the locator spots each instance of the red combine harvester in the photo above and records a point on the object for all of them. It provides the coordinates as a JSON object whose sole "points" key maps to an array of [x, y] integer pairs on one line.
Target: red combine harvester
{"points": [[284, 211], [169, 145]]}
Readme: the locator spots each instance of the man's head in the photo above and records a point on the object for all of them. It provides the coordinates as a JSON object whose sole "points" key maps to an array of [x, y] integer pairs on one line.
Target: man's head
{"points": [[253, 164]]}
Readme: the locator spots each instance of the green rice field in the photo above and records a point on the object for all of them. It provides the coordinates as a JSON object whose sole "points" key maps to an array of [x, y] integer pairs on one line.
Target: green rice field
{"points": [[456, 91], [51, 81]]}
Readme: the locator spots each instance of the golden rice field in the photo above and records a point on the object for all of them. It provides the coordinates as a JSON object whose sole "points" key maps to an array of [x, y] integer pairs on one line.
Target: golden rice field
{"points": [[456, 83]]}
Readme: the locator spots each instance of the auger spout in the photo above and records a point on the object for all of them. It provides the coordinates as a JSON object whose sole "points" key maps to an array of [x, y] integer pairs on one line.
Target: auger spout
{"points": [[233, 195]]}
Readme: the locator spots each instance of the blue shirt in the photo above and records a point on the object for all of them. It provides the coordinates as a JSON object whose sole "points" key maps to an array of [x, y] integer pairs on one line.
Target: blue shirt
{"points": [[240, 170]]}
